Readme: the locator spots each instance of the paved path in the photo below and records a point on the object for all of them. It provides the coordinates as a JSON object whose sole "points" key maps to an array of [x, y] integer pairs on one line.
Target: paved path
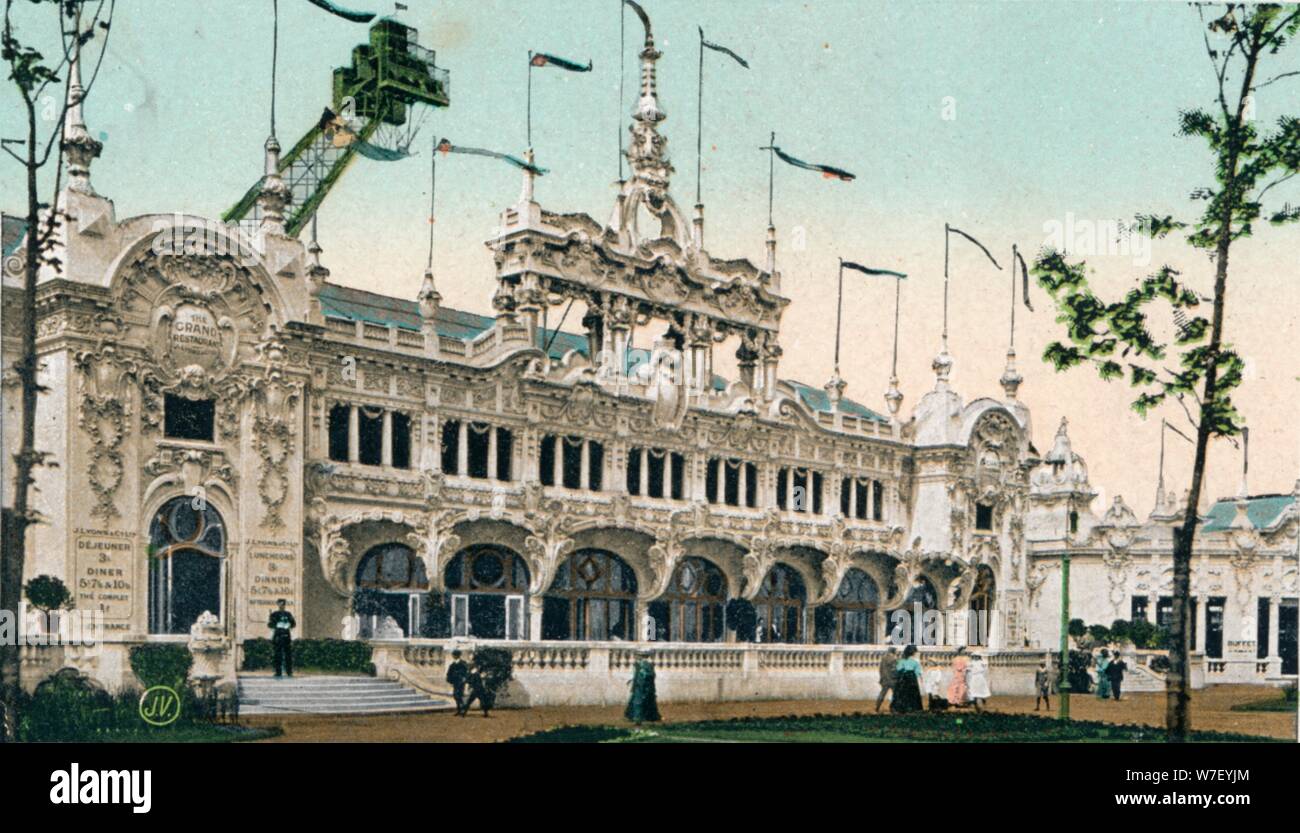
{"points": [[1210, 710]]}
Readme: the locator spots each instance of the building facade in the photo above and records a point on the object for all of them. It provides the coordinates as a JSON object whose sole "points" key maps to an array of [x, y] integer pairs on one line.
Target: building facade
{"points": [[232, 428]]}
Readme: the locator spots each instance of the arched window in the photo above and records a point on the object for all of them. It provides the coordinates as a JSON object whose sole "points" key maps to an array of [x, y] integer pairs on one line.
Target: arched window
{"points": [[907, 623], [187, 548], [779, 606], [850, 618], [692, 608], [392, 586], [487, 585], [591, 598], [981, 607]]}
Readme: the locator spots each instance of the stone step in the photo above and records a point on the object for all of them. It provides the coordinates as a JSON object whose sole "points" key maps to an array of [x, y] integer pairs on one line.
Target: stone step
{"points": [[265, 694]]}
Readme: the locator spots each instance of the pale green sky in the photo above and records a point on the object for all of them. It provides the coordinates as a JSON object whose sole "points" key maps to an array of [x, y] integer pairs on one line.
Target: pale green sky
{"points": [[1062, 110]]}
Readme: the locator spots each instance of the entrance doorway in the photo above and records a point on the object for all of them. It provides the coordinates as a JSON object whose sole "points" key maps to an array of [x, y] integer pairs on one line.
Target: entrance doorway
{"points": [[1286, 634]]}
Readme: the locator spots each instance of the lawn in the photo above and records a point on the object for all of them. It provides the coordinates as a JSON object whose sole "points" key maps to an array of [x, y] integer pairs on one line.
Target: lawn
{"points": [[873, 728]]}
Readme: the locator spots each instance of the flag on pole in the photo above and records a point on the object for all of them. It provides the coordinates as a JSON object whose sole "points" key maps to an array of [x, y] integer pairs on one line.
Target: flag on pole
{"points": [[724, 50], [867, 270], [827, 171], [339, 11], [445, 146], [542, 59], [1024, 271], [983, 248]]}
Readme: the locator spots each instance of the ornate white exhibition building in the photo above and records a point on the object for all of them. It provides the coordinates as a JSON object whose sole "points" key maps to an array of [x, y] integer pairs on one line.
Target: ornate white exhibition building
{"points": [[231, 428]]}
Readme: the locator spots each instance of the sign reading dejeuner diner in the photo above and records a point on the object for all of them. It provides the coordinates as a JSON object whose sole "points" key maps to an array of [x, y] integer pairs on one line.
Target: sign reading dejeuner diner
{"points": [[104, 579]]}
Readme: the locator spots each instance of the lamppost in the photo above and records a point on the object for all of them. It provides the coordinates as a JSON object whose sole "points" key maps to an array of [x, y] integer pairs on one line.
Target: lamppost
{"points": [[1064, 691]]}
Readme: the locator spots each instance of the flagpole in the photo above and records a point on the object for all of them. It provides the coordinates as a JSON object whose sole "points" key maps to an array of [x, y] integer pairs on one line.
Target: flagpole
{"points": [[699, 124], [945, 287], [433, 183], [898, 292], [530, 99], [1013, 296], [275, 50], [771, 176], [839, 311], [622, 67]]}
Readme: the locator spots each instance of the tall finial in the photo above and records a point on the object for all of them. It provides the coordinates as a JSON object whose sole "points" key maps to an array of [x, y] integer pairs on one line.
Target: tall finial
{"points": [[646, 154], [276, 194], [79, 147], [1011, 379]]}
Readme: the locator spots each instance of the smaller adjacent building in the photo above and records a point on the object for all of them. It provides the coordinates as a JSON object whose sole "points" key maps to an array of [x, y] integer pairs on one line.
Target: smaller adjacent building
{"points": [[1244, 594]]}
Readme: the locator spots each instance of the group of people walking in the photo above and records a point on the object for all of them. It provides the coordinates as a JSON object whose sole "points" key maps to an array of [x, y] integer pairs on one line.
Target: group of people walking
{"points": [[906, 679], [1110, 674], [461, 675]]}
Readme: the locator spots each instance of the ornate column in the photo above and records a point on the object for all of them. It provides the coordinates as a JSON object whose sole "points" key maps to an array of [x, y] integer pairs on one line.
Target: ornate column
{"points": [[1274, 603], [645, 471], [534, 617], [462, 448], [557, 462], [742, 483], [584, 463], [1200, 622], [386, 454], [354, 434], [669, 468], [492, 452]]}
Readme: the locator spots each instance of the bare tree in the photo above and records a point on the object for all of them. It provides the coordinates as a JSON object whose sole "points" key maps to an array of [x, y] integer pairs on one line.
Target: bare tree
{"points": [[79, 22], [1248, 164]]}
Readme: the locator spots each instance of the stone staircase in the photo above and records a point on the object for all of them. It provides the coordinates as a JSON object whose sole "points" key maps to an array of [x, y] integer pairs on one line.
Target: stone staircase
{"points": [[265, 694]]}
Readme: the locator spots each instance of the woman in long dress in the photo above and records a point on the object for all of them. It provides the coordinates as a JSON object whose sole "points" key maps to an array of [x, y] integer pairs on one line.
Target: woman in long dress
{"points": [[907, 683], [977, 682], [642, 705], [957, 686], [1103, 679]]}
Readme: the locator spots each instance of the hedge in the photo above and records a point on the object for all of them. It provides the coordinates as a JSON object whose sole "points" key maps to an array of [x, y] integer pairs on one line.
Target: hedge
{"points": [[341, 655], [162, 664]]}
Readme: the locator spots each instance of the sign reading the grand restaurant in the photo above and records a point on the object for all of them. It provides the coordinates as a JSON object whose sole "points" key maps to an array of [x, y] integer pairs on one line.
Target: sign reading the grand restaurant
{"points": [[195, 337]]}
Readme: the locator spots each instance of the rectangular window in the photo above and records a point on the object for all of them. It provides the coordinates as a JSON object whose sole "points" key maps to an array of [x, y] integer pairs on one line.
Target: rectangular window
{"points": [[1138, 610], [634, 471], [505, 453], [731, 482], [877, 500], [782, 499], [818, 481], [678, 484], [595, 465], [846, 496], [546, 461], [401, 440], [983, 517], [1261, 633], [711, 480], [477, 439], [371, 429], [338, 430], [860, 495], [655, 459], [188, 419], [799, 489], [572, 462], [751, 485], [450, 446]]}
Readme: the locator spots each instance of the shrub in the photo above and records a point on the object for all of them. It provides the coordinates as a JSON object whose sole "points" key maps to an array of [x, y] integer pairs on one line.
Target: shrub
{"points": [[1099, 634], [66, 706], [162, 664], [1120, 630], [342, 655], [48, 593]]}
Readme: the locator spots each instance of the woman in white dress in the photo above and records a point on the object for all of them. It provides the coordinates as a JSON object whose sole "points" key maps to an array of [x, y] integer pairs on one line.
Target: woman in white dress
{"points": [[977, 682]]}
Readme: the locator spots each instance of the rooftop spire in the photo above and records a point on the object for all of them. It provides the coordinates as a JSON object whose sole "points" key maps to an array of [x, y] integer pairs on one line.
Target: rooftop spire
{"points": [[79, 147]]}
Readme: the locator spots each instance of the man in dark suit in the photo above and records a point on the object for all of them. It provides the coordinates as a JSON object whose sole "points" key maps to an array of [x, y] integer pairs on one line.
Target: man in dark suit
{"points": [[282, 624], [1115, 672], [458, 676]]}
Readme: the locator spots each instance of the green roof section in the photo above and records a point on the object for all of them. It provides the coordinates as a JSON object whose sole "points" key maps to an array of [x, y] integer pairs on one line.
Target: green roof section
{"points": [[360, 305], [818, 400], [1261, 510]]}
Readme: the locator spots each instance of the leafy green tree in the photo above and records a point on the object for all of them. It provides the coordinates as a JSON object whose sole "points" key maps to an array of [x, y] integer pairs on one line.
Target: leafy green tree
{"points": [[1116, 337], [35, 78], [48, 593]]}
